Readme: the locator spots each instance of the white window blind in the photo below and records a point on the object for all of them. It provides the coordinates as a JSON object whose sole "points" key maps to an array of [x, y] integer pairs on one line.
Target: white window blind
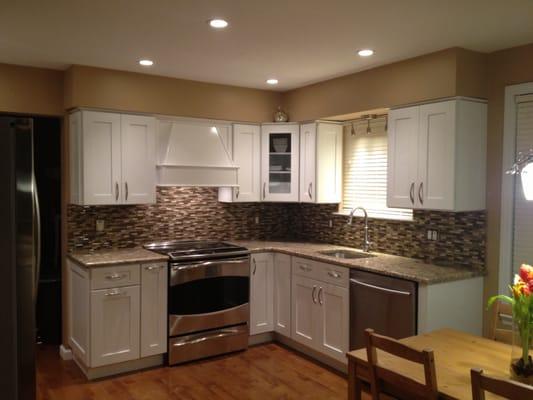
{"points": [[523, 209], [365, 171]]}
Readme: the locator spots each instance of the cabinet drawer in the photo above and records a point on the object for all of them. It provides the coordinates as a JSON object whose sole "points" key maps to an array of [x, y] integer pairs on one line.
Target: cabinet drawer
{"points": [[334, 274], [304, 267], [115, 276]]}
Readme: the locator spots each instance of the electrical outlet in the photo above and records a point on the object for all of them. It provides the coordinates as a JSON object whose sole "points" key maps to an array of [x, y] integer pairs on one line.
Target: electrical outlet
{"points": [[256, 220], [429, 234], [330, 223], [100, 225], [435, 235]]}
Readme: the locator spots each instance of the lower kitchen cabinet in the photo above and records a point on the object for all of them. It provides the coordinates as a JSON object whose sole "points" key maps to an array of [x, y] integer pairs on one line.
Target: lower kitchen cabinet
{"points": [[154, 284], [261, 293], [117, 314], [282, 294], [115, 325], [320, 310]]}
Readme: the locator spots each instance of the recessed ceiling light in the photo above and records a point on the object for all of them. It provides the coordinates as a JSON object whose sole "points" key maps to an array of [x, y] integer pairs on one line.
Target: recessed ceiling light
{"points": [[365, 52], [146, 63], [272, 81], [218, 23]]}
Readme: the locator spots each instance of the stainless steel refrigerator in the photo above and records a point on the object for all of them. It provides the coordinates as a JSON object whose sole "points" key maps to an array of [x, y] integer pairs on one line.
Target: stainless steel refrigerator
{"points": [[19, 255]]}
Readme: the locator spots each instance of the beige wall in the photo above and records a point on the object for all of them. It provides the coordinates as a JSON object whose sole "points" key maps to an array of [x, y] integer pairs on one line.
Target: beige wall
{"points": [[506, 67], [29, 90], [128, 91], [422, 78]]}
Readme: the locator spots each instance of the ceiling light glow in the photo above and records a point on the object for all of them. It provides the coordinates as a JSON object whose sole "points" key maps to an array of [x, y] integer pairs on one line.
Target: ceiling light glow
{"points": [[146, 63], [272, 81], [365, 52], [218, 23]]}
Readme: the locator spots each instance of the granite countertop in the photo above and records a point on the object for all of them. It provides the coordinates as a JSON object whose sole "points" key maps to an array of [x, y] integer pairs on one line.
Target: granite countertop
{"points": [[102, 258], [384, 264]]}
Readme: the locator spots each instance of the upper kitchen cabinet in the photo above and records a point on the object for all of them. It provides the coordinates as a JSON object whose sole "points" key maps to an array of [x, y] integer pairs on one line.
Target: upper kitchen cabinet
{"points": [[247, 157], [112, 158], [280, 162], [437, 156], [321, 162]]}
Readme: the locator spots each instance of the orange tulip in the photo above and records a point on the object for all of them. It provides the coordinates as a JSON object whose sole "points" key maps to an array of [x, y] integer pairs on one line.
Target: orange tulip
{"points": [[526, 273]]}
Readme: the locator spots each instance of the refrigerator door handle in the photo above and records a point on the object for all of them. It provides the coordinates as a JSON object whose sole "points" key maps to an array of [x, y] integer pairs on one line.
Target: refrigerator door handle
{"points": [[38, 245]]}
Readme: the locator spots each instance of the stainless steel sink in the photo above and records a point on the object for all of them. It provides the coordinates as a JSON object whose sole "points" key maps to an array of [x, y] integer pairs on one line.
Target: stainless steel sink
{"points": [[347, 254]]}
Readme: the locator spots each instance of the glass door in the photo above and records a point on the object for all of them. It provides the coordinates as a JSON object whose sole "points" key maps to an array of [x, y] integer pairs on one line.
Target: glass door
{"points": [[280, 162]]}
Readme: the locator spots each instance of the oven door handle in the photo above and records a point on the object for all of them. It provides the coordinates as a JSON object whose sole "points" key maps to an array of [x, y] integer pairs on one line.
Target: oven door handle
{"points": [[209, 336], [191, 266]]}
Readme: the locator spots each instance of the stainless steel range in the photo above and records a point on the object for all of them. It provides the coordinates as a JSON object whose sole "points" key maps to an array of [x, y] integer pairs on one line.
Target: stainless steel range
{"points": [[208, 298]]}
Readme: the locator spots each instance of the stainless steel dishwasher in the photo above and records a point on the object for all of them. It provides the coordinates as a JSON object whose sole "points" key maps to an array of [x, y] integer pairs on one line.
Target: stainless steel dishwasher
{"points": [[387, 305]]}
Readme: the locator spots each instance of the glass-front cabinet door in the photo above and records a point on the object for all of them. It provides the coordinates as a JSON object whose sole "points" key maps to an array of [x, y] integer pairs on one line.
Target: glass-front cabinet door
{"points": [[280, 162]]}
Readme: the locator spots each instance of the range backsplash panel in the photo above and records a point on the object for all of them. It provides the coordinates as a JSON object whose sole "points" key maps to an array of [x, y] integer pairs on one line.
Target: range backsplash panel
{"points": [[195, 213]]}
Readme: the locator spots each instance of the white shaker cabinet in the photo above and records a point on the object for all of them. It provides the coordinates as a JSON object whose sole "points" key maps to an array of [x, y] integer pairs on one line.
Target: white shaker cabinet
{"points": [[261, 293], [282, 294], [115, 325], [246, 156], [437, 156], [112, 158], [154, 286], [321, 162], [320, 307], [280, 162]]}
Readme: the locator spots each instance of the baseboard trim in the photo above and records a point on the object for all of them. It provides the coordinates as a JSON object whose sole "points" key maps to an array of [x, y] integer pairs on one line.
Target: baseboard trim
{"points": [[312, 354], [261, 338], [120, 368], [65, 353]]}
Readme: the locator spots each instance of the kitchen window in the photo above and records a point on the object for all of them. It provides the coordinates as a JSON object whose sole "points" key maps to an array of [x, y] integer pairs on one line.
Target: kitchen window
{"points": [[365, 170]]}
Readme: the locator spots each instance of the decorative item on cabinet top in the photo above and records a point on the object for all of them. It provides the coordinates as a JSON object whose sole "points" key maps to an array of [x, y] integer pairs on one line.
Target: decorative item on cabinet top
{"points": [[280, 115]]}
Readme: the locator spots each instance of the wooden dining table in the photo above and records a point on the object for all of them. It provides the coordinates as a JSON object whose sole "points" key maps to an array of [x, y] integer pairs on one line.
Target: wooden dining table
{"points": [[455, 354]]}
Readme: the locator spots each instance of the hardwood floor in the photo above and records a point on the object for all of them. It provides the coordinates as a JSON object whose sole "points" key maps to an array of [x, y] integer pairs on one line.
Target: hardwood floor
{"points": [[266, 371]]}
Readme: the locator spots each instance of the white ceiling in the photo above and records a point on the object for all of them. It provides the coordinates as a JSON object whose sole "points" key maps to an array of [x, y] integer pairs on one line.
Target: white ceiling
{"points": [[297, 41]]}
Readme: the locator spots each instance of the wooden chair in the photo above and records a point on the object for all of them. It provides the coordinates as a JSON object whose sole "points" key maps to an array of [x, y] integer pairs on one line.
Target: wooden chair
{"points": [[501, 387], [390, 383], [502, 322]]}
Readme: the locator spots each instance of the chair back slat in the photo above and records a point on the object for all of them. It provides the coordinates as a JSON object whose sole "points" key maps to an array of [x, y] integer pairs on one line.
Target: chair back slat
{"points": [[502, 323], [383, 380], [501, 387]]}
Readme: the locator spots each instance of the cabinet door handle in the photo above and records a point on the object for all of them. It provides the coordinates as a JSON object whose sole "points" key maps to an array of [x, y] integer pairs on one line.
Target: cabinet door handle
{"points": [[421, 193], [313, 294], [114, 292], [114, 277], [116, 191], [153, 267], [255, 267], [412, 193], [237, 192], [305, 268], [334, 274], [320, 296], [127, 191], [310, 190], [264, 189]]}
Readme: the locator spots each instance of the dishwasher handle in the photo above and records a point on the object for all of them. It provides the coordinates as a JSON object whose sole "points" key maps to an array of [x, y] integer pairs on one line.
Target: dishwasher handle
{"points": [[382, 289]]}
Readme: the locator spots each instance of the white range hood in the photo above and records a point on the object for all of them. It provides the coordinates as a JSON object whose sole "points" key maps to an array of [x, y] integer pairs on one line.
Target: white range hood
{"points": [[195, 153]]}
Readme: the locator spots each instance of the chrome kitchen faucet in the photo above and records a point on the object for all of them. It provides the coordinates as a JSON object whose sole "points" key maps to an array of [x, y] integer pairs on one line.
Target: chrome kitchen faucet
{"points": [[367, 243]]}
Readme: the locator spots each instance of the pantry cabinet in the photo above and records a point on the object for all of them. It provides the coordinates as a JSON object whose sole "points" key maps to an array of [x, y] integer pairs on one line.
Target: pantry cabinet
{"points": [[321, 162], [280, 162], [261, 293], [437, 156], [112, 158]]}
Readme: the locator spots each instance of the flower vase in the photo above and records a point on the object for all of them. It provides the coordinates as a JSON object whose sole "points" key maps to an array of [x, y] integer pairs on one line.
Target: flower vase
{"points": [[521, 367]]}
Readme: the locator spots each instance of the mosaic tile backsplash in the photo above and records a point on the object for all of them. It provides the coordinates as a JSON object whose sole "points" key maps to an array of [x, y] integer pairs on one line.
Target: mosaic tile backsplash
{"points": [[195, 213]]}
